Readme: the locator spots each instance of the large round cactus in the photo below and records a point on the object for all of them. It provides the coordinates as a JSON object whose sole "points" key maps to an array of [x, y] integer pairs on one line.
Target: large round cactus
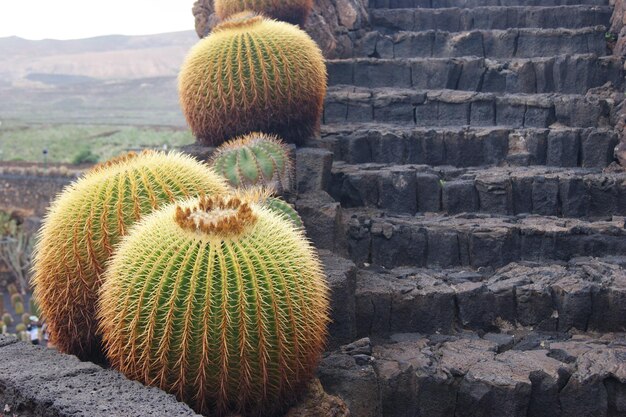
{"points": [[292, 11], [85, 223], [253, 74], [219, 301], [255, 159]]}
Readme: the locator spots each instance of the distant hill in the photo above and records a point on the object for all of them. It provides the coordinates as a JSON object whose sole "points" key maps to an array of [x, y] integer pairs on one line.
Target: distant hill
{"points": [[113, 57]]}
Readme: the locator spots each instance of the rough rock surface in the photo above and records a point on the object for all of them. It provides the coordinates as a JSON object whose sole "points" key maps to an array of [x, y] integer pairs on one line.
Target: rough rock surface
{"points": [[333, 24], [533, 374]]}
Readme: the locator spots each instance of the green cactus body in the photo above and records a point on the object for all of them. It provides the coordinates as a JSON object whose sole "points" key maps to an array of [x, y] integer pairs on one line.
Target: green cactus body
{"points": [[26, 318], [7, 319], [21, 327], [292, 11], [16, 298], [285, 210], [19, 307], [34, 307], [255, 159], [253, 74], [219, 301], [85, 223]]}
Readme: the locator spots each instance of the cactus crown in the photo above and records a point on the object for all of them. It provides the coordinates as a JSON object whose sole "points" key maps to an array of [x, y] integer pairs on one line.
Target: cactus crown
{"points": [[255, 159], [253, 74], [291, 11], [221, 216], [85, 223], [230, 312]]}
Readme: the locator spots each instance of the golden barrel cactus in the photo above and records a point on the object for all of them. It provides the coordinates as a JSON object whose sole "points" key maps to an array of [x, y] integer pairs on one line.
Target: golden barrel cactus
{"points": [[219, 301], [253, 74], [291, 11], [85, 223]]}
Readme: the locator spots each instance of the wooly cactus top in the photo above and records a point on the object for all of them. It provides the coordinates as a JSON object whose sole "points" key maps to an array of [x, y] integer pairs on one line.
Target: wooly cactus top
{"points": [[253, 74], [219, 301], [85, 223]]}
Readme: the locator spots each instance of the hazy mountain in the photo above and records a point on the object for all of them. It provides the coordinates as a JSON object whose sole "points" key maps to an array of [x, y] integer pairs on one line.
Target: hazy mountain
{"points": [[113, 57]]}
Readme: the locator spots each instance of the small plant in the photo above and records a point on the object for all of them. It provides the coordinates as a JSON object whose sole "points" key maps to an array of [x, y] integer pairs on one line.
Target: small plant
{"points": [[15, 250], [230, 312], [19, 308], [255, 159], [85, 223], [263, 197], [26, 318], [21, 327], [12, 288], [610, 37], [34, 307], [7, 319], [16, 298], [292, 11], [253, 74], [85, 156]]}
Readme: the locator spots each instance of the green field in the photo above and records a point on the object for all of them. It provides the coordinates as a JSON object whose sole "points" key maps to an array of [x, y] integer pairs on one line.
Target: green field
{"points": [[25, 142]]}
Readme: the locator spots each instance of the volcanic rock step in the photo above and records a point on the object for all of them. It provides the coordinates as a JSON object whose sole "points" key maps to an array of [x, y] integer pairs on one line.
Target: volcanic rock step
{"points": [[476, 240], [488, 18], [464, 147], [572, 74], [510, 43], [410, 189], [394, 4], [585, 294], [542, 375], [464, 108]]}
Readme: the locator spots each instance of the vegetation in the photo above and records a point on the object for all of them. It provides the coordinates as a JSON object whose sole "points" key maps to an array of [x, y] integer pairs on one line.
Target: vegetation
{"points": [[15, 251], [292, 11], [219, 301], [85, 223], [253, 74], [255, 159], [26, 142]]}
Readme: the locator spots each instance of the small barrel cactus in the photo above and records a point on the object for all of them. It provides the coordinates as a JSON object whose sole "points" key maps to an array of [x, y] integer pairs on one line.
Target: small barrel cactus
{"points": [[255, 159], [26, 318], [19, 307], [253, 74], [219, 301], [16, 298], [85, 223], [33, 306], [21, 327], [292, 11], [263, 196], [7, 319]]}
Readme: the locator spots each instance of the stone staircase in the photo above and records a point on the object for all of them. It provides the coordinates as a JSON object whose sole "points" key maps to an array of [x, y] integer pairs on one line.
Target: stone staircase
{"points": [[473, 236]]}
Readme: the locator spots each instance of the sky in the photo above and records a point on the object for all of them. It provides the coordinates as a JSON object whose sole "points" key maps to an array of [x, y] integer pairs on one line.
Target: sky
{"points": [[76, 19]]}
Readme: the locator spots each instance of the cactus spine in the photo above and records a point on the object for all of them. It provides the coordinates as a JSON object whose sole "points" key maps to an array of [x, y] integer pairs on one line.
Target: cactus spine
{"points": [[292, 11], [86, 222], [219, 301], [253, 74], [255, 159]]}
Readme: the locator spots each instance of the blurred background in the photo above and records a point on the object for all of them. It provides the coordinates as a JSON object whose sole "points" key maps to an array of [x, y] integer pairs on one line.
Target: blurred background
{"points": [[83, 81]]}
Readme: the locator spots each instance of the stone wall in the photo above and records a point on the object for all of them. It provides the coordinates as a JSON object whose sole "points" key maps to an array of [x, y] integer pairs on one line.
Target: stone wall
{"points": [[617, 32], [334, 24], [30, 193], [36, 381]]}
